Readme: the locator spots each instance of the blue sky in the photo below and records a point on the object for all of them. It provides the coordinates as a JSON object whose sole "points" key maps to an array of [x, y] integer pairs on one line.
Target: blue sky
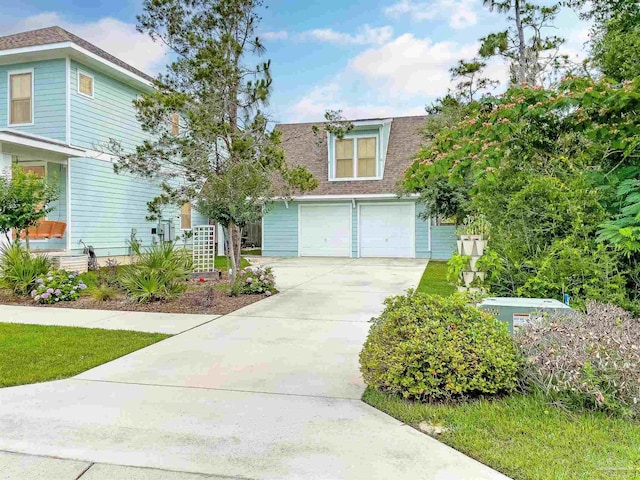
{"points": [[367, 58]]}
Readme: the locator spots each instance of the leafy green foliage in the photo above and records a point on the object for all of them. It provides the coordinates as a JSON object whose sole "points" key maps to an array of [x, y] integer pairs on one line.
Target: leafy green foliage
{"points": [[160, 273], [544, 167], [19, 270], [25, 199], [58, 286], [428, 347], [587, 361], [255, 280], [214, 93]]}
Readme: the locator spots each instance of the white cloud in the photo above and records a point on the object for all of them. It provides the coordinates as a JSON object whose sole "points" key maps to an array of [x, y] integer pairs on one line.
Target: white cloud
{"points": [[110, 34], [397, 78], [321, 98], [459, 13], [410, 65], [366, 35], [280, 35]]}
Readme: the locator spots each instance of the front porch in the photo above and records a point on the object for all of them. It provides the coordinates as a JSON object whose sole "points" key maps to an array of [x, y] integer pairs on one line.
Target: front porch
{"points": [[50, 159]]}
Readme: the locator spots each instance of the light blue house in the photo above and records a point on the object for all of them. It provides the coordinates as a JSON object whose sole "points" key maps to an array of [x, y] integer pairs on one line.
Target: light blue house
{"points": [[356, 210], [61, 100]]}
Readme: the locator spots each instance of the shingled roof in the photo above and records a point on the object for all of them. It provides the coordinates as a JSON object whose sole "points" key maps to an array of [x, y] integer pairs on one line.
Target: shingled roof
{"points": [[50, 35], [303, 147]]}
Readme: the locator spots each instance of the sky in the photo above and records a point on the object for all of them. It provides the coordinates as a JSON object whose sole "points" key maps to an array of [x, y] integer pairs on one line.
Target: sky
{"points": [[366, 58]]}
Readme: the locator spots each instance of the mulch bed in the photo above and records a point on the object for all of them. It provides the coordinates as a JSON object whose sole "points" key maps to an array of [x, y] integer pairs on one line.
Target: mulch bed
{"points": [[200, 298]]}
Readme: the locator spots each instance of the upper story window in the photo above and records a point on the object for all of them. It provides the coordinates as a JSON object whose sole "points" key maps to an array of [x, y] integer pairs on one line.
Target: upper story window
{"points": [[85, 84], [356, 157], [21, 98]]}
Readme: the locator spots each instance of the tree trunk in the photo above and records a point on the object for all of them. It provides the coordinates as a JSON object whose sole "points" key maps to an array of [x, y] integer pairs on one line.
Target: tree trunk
{"points": [[232, 253], [26, 238], [522, 54]]}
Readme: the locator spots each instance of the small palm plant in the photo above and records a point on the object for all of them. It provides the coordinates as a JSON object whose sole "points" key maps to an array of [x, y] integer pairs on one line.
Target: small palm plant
{"points": [[160, 273]]}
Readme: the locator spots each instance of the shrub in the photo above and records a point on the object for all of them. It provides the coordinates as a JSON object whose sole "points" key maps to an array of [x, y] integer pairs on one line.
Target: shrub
{"points": [[102, 292], [587, 361], [19, 270], [254, 280], [428, 347], [58, 286], [160, 273]]}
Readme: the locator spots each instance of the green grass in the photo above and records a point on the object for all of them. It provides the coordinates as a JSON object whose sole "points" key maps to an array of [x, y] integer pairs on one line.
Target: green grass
{"points": [[221, 263], [526, 438], [523, 436], [257, 252], [38, 353], [434, 279]]}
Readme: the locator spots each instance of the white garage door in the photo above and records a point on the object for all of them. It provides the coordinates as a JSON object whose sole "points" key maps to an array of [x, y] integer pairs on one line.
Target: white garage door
{"points": [[325, 230], [387, 230]]}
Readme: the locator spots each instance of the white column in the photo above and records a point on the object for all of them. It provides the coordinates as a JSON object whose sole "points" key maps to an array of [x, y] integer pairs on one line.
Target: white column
{"points": [[5, 170], [220, 241]]}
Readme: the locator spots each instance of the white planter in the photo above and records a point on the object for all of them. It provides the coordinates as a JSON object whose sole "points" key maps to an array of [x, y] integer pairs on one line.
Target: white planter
{"points": [[467, 247], [481, 276], [464, 237], [475, 237], [480, 246], [459, 247], [473, 262], [468, 277]]}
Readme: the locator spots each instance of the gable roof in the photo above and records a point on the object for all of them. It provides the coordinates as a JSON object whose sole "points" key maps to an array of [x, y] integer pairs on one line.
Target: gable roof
{"points": [[303, 147], [55, 34]]}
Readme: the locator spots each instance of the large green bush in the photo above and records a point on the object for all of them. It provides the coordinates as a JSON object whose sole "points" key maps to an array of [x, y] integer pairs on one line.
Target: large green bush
{"points": [[19, 269], [428, 347], [587, 361], [160, 273]]}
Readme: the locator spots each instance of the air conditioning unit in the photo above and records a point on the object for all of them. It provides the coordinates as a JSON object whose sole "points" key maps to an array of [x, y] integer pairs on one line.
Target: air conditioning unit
{"points": [[518, 311]]}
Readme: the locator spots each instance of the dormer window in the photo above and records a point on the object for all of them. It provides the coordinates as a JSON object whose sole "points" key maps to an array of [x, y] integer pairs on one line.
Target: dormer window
{"points": [[356, 158]]}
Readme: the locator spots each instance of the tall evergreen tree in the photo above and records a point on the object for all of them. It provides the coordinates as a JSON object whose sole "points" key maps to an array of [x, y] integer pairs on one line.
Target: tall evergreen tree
{"points": [[205, 117]]}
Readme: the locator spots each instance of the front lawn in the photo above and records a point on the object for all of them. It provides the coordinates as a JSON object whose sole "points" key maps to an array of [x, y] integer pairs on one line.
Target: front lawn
{"points": [[526, 438], [38, 353], [434, 279]]}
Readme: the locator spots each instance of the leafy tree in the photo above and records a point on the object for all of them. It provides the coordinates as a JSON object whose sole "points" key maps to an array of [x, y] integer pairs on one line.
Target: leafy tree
{"points": [[209, 139], [544, 166], [25, 199], [530, 52], [616, 46]]}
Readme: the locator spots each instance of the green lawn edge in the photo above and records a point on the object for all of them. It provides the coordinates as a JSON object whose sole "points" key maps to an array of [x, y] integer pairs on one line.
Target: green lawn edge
{"points": [[522, 436], [39, 353]]}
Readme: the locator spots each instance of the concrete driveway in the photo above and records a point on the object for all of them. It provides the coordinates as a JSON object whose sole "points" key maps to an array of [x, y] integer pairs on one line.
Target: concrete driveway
{"points": [[271, 391]]}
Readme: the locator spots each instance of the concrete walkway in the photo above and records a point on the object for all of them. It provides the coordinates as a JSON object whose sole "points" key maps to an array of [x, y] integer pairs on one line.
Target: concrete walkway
{"points": [[170, 323], [269, 392]]}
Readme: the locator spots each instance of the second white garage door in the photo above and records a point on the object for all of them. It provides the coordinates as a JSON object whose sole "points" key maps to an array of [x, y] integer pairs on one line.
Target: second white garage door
{"points": [[325, 230], [387, 230]]}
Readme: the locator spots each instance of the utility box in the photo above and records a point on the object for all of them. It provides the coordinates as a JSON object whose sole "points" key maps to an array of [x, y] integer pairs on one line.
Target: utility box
{"points": [[517, 312]]}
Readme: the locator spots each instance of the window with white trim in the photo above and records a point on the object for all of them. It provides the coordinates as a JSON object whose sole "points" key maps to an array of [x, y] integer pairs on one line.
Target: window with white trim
{"points": [[20, 98], [355, 157], [85, 84]]}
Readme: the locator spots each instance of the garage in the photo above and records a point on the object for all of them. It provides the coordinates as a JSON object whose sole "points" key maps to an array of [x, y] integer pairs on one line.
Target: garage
{"points": [[325, 230], [387, 230]]}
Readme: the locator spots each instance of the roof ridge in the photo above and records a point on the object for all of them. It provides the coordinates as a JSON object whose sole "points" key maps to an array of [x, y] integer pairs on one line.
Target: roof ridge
{"points": [[56, 34]]}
